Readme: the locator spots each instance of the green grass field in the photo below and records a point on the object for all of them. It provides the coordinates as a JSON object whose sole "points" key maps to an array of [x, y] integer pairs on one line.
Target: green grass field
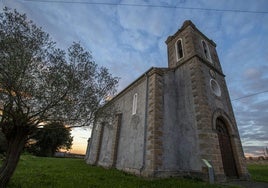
{"points": [[259, 172], [62, 172]]}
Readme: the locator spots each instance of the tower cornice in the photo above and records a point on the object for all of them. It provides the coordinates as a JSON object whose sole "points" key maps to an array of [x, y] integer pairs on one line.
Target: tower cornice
{"points": [[207, 63]]}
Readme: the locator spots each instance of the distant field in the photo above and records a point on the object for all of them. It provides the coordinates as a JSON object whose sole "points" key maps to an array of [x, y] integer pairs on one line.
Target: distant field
{"points": [[38, 172]]}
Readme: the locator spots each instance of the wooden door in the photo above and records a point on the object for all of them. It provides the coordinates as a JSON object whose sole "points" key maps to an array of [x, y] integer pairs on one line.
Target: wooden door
{"points": [[227, 155]]}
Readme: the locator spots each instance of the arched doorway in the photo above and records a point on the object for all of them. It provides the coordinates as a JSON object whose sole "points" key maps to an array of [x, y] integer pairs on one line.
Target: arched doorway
{"points": [[227, 155]]}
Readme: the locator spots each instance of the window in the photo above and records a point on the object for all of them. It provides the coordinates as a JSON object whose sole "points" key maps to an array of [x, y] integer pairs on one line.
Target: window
{"points": [[134, 104], [179, 49], [206, 50]]}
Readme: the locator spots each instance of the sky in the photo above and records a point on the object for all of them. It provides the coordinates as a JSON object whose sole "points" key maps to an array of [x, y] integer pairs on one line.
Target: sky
{"points": [[129, 39]]}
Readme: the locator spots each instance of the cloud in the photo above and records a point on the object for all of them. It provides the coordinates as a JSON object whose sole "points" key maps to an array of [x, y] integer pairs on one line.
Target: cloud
{"points": [[145, 19], [255, 150], [252, 73], [137, 40], [252, 121], [255, 79]]}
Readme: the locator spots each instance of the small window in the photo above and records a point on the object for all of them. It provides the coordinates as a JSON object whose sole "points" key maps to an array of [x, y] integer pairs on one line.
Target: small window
{"points": [[179, 49], [206, 50], [134, 105]]}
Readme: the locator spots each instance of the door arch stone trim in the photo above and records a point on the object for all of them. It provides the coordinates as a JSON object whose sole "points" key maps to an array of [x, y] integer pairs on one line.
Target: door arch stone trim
{"points": [[219, 113]]}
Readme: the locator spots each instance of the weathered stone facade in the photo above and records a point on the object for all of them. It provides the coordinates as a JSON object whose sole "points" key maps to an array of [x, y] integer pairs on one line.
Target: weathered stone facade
{"points": [[179, 117]]}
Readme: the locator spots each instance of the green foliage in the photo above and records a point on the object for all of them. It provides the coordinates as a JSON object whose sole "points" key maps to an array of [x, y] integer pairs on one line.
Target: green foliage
{"points": [[49, 139], [258, 172], [62, 172]]}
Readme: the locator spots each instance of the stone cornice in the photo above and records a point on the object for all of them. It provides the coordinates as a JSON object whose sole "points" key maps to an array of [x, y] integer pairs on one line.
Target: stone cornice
{"points": [[203, 61]]}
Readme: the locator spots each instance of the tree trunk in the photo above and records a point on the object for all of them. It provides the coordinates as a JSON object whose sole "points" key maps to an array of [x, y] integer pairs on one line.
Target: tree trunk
{"points": [[15, 147]]}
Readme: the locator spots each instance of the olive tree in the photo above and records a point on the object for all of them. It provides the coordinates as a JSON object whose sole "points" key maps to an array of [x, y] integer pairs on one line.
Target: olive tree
{"points": [[40, 83]]}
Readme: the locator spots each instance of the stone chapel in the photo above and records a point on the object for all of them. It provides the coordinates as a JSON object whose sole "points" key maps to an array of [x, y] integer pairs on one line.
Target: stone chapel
{"points": [[173, 121]]}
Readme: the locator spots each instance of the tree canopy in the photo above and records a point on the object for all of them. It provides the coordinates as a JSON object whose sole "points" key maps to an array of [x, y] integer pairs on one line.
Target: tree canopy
{"points": [[40, 83]]}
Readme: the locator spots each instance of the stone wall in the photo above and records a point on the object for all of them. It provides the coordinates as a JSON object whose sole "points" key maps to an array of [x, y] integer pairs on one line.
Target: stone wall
{"points": [[118, 140], [154, 146], [181, 152]]}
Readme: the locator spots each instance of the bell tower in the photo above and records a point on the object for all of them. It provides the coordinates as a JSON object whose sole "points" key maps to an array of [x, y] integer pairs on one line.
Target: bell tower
{"points": [[193, 57]]}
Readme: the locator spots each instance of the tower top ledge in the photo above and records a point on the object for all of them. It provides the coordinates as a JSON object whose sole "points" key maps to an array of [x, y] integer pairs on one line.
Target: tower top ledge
{"points": [[185, 24]]}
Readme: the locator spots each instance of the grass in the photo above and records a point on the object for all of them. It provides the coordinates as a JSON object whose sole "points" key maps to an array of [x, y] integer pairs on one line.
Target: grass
{"points": [[258, 172], [61, 172]]}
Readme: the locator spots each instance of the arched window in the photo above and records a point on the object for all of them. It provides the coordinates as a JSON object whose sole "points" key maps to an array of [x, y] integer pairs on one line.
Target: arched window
{"points": [[206, 50], [179, 49], [134, 104]]}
